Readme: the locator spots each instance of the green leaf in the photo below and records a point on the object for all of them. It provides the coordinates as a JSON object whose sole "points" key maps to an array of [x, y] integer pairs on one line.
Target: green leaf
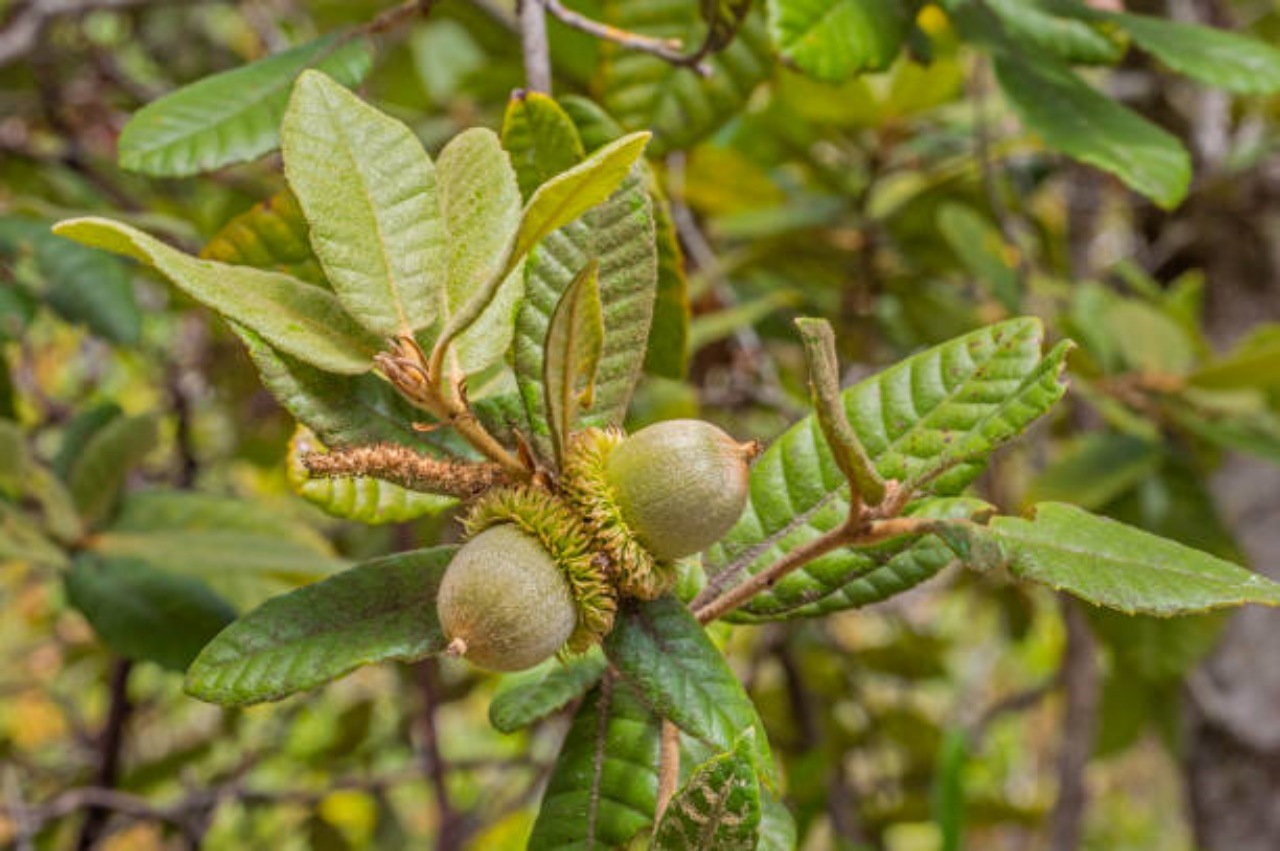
{"points": [[680, 106], [233, 116], [718, 806], [777, 825], [667, 352], [272, 235], [480, 204], [368, 190], [661, 649], [1096, 469], [343, 410], [1253, 363], [619, 234], [242, 551], [1147, 339], [23, 540], [1240, 421], [367, 500], [13, 459], [300, 319], [1040, 29], [572, 355], [946, 409], [555, 204], [80, 284], [77, 432], [948, 796], [981, 248], [833, 40], [1110, 564], [604, 787], [532, 695], [144, 613], [541, 139], [1073, 118], [377, 611], [1226, 60], [96, 478]]}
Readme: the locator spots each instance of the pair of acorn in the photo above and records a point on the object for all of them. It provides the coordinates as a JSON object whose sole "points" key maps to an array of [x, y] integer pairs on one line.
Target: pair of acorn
{"points": [[542, 571]]}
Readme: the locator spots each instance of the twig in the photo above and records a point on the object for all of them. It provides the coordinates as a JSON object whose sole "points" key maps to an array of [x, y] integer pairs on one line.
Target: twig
{"points": [[1008, 705], [24, 31], [852, 532], [667, 49], [533, 43], [668, 768], [402, 466], [110, 748], [1080, 680], [450, 831]]}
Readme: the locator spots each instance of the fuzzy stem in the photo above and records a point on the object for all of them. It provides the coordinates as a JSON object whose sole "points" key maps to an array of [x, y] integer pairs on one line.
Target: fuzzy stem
{"points": [[402, 466], [851, 533]]}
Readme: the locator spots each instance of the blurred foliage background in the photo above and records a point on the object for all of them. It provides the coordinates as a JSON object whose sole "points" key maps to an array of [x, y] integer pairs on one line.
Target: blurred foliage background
{"points": [[907, 205]]}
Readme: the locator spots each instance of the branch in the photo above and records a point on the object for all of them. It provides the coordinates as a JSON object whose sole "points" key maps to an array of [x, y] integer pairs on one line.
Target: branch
{"points": [[1079, 722], [449, 827], [533, 43], [668, 768], [667, 49], [23, 33], [110, 746], [402, 466]]}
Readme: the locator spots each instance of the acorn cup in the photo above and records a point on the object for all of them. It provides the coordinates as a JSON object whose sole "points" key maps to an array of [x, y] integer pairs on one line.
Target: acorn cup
{"points": [[542, 572]]}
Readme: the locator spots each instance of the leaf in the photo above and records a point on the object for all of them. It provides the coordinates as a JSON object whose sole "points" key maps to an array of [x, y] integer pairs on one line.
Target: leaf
{"points": [[144, 613], [367, 500], [1096, 469], [910, 418], [718, 806], [555, 204], [78, 431], [376, 611], [13, 459], [1226, 60], [679, 106], [233, 116], [619, 234], [23, 540], [1110, 564], [243, 552], [949, 790], [777, 825], [1253, 363], [572, 355], [824, 384], [80, 284], [368, 190], [540, 138], [532, 695], [981, 248], [1073, 118], [667, 351], [1041, 29], [480, 204], [272, 235], [832, 40], [300, 319], [343, 410], [96, 478], [1147, 340], [662, 650], [604, 787]]}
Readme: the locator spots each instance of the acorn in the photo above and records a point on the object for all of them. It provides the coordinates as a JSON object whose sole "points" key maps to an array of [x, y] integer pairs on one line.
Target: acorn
{"points": [[526, 585], [670, 490]]}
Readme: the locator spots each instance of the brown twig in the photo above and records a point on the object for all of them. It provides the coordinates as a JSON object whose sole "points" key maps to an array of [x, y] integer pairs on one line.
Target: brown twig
{"points": [[668, 49], [533, 43], [1079, 722], [402, 466], [110, 749], [450, 828]]}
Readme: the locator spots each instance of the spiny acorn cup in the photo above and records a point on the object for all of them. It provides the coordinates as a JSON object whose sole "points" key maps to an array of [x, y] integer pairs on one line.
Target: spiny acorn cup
{"points": [[526, 585], [670, 490]]}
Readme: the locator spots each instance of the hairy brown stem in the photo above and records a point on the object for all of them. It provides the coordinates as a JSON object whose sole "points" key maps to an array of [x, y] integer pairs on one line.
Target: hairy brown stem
{"points": [[853, 532], [402, 466]]}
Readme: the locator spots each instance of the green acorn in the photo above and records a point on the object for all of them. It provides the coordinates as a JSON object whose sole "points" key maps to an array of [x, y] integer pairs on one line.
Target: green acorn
{"points": [[527, 584], [668, 491]]}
